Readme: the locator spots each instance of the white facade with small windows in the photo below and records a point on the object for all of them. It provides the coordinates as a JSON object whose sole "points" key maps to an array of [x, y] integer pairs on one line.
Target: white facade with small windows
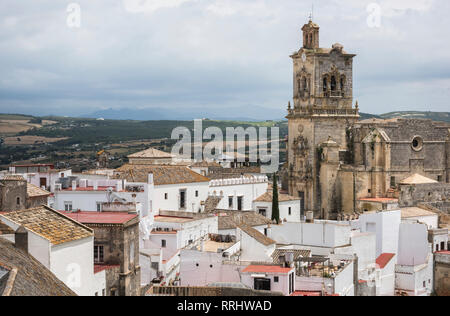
{"points": [[238, 193], [186, 197], [290, 211]]}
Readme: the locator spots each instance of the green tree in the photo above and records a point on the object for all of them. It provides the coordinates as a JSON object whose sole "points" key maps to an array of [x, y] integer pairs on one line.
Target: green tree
{"points": [[275, 204]]}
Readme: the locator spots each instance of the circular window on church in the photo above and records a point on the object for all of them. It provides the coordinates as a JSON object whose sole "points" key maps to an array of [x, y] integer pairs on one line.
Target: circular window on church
{"points": [[417, 143]]}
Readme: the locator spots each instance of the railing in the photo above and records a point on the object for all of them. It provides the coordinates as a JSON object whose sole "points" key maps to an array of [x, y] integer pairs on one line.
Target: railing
{"points": [[324, 111]]}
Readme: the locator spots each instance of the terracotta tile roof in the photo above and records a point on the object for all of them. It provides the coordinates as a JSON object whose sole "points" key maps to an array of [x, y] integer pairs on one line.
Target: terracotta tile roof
{"points": [[28, 276], [100, 267], [205, 164], [35, 191], [211, 203], [267, 269], [306, 293], [267, 197], [415, 212], [162, 175], [297, 254], [5, 229], [49, 224], [384, 259], [417, 179], [259, 237], [100, 217], [231, 219], [151, 153]]}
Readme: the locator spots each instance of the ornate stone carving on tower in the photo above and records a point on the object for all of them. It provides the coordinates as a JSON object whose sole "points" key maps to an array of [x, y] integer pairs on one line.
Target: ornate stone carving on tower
{"points": [[322, 110]]}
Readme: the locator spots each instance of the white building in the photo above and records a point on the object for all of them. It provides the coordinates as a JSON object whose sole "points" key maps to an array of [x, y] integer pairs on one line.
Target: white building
{"points": [[269, 278], [289, 206], [62, 245], [176, 188], [170, 233], [238, 193], [414, 269], [255, 246], [41, 175]]}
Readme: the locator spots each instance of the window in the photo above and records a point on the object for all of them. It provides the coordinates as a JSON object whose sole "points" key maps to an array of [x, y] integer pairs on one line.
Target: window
{"points": [[265, 231], [424, 284], [163, 243], [417, 143], [182, 199], [230, 201], [18, 201], [439, 178], [275, 279], [240, 202], [262, 284], [325, 85], [103, 292], [262, 211], [166, 196], [443, 246], [342, 84], [113, 292], [290, 211], [68, 206], [393, 182], [98, 254], [132, 252], [333, 83], [304, 88], [196, 193], [99, 206]]}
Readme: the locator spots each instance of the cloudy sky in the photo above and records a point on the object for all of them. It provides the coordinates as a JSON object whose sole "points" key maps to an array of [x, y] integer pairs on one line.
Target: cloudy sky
{"points": [[214, 53]]}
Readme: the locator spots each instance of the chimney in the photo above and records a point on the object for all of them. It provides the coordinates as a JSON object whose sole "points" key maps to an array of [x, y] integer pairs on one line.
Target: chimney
{"points": [[310, 217], [21, 238], [150, 178]]}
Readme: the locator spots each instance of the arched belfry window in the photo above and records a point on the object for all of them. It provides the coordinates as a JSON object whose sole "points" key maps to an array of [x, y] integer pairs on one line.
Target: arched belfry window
{"points": [[325, 84], [305, 86], [333, 83], [342, 84]]}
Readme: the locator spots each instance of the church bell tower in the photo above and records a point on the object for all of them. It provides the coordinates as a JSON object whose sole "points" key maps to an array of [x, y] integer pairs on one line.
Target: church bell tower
{"points": [[321, 113]]}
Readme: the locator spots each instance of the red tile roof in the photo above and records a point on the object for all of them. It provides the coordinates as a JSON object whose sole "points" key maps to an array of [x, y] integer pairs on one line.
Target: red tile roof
{"points": [[100, 267], [267, 269], [100, 217], [305, 293], [444, 252], [384, 259]]}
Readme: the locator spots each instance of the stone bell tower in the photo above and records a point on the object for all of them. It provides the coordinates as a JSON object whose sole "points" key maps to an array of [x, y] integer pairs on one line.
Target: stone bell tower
{"points": [[322, 111]]}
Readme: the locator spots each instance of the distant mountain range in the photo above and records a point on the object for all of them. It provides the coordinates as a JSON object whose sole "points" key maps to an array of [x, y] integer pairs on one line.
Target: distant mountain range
{"points": [[250, 113]]}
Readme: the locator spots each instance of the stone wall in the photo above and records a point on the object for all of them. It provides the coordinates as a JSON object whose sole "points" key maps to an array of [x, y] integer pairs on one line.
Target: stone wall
{"points": [[442, 274], [13, 195], [434, 194]]}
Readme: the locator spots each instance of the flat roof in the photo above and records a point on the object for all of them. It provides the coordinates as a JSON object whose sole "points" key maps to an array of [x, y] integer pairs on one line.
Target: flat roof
{"points": [[379, 200], [267, 269], [100, 217], [415, 212], [213, 246]]}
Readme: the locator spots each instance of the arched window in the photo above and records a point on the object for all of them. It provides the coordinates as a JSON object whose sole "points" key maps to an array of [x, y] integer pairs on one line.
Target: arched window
{"points": [[333, 83], [325, 84], [310, 40], [305, 87], [342, 84], [18, 201]]}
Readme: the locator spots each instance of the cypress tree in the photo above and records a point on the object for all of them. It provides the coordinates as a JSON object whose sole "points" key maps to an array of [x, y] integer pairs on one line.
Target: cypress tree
{"points": [[275, 204]]}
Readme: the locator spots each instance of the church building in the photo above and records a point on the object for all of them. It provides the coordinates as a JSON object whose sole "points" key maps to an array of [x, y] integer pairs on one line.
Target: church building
{"points": [[334, 159]]}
